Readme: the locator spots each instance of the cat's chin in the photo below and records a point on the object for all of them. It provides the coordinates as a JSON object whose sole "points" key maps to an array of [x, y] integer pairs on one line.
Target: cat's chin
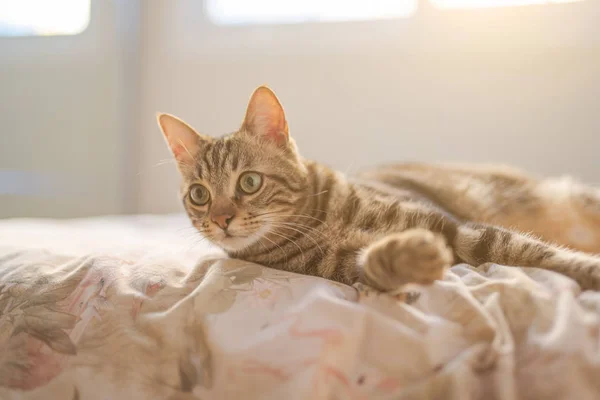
{"points": [[237, 243], [233, 244]]}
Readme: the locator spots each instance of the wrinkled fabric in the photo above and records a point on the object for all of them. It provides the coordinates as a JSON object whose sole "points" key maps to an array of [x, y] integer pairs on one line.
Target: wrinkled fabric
{"points": [[140, 308]]}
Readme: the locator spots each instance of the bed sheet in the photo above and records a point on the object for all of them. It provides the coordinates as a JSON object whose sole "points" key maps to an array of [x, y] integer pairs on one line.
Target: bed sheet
{"points": [[139, 307]]}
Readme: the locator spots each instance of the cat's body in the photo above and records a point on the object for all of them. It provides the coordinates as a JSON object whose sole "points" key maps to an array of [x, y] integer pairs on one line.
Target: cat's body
{"points": [[253, 195], [341, 217], [557, 210]]}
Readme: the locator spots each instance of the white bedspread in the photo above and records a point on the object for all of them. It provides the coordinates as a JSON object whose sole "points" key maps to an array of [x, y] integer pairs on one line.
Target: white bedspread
{"points": [[140, 308]]}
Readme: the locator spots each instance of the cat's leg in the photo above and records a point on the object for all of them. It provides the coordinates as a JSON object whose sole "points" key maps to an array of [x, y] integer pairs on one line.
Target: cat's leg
{"points": [[477, 244], [413, 256], [585, 231], [565, 212]]}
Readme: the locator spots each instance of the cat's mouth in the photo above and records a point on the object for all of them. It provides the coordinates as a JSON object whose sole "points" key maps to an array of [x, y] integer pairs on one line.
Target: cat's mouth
{"points": [[228, 236], [234, 241]]}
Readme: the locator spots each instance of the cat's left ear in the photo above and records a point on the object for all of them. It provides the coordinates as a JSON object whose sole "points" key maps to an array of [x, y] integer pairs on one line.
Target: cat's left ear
{"points": [[182, 139], [265, 117]]}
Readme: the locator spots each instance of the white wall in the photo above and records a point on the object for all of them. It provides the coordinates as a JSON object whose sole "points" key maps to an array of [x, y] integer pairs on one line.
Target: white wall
{"points": [[519, 86], [62, 104]]}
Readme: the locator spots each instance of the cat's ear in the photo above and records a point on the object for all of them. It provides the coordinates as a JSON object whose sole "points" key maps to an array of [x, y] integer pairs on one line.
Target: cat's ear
{"points": [[265, 117], [182, 139]]}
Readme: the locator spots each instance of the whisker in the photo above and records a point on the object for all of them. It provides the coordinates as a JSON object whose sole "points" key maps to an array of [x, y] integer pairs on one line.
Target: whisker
{"points": [[314, 195], [306, 235], [297, 225], [266, 213], [186, 229], [197, 241], [160, 163], [318, 210], [289, 240], [263, 245], [289, 215], [284, 253], [165, 161]]}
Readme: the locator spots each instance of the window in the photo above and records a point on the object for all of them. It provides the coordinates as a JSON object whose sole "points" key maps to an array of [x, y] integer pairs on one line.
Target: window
{"points": [[43, 17], [492, 3], [242, 12]]}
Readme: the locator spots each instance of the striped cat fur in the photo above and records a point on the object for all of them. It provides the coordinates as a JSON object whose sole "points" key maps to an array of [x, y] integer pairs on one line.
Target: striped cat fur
{"points": [[252, 194]]}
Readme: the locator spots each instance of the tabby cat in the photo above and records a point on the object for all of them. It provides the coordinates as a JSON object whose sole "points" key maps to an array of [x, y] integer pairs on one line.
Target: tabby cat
{"points": [[252, 194]]}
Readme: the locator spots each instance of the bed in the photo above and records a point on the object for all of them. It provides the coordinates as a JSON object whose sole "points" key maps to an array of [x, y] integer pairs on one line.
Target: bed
{"points": [[138, 307]]}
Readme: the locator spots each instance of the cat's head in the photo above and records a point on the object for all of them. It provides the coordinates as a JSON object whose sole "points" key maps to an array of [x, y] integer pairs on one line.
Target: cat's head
{"points": [[238, 188]]}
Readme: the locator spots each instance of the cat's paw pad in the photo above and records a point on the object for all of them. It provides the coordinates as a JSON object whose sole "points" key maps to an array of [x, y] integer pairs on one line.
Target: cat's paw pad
{"points": [[366, 293], [413, 256]]}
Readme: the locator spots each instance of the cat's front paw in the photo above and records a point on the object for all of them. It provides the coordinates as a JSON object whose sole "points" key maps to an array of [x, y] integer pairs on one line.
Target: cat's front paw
{"points": [[413, 256]]}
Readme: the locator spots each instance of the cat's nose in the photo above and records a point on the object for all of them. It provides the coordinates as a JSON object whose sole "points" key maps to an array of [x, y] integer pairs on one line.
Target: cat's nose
{"points": [[223, 220]]}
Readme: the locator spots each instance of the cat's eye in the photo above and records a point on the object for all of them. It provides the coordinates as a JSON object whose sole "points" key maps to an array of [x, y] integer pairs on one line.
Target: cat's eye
{"points": [[250, 182], [199, 195]]}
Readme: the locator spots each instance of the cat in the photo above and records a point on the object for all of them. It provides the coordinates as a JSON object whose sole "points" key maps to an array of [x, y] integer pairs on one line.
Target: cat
{"points": [[253, 195]]}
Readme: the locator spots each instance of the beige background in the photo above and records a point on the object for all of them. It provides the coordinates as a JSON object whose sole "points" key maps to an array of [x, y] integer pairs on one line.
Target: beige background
{"points": [[515, 85]]}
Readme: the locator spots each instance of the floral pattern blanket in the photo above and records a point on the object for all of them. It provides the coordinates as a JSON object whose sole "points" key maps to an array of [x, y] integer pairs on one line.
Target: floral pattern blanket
{"points": [[138, 308]]}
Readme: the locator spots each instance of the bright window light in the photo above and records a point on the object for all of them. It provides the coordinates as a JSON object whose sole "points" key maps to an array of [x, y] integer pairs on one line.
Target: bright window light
{"points": [[493, 3], [244, 12], [43, 17]]}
